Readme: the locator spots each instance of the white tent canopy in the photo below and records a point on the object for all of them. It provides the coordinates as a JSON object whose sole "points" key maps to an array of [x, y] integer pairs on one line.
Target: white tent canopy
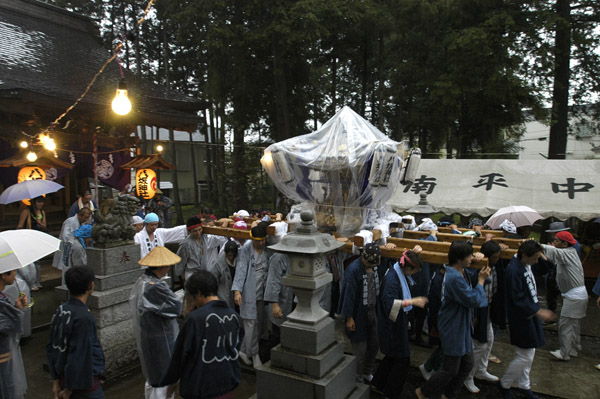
{"points": [[561, 189]]}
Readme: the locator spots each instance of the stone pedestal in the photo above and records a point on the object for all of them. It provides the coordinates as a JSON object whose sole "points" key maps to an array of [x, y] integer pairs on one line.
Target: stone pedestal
{"points": [[309, 363], [116, 271]]}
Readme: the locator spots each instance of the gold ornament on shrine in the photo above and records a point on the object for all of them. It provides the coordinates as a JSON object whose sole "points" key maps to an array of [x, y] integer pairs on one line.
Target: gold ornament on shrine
{"points": [[145, 183]]}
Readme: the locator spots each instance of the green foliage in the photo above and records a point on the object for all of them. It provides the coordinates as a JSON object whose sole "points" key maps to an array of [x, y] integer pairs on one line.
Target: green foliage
{"points": [[445, 75]]}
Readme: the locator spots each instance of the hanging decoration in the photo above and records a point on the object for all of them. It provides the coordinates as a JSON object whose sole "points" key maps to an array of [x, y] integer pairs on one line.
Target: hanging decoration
{"points": [[145, 185]]}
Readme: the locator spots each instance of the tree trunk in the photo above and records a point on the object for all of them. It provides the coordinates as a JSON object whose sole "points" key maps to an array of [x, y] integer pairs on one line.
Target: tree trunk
{"points": [[166, 57], [175, 179], [381, 79], [220, 151], [124, 15], [282, 116], [449, 144], [210, 178], [195, 170], [138, 54], [239, 191], [333, 83], [365, 78], [557, 147], [214, 155]]}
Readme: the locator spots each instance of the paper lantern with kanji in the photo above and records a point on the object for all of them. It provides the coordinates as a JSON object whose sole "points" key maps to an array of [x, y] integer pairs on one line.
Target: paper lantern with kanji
{"points": [[145, 183], [30, 173]]}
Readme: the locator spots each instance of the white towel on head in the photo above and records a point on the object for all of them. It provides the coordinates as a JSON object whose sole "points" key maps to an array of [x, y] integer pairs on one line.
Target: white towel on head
{"points": [[367, 238], [281, 228], [242, 213]]}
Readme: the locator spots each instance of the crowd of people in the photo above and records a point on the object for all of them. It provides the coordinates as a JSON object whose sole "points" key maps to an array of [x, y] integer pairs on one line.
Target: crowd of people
{"points": [[233, 303]]}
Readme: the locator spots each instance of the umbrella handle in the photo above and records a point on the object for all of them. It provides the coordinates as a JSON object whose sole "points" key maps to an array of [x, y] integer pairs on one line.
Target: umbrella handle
{"points": [[30, 301]]}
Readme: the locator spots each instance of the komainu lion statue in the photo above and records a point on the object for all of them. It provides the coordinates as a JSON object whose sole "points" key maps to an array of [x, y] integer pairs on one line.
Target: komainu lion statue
{"points": [[112, 225]]}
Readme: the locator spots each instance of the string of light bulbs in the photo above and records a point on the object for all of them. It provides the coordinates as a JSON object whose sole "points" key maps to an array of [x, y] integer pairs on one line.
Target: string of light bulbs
{"points": [[120, 105]]}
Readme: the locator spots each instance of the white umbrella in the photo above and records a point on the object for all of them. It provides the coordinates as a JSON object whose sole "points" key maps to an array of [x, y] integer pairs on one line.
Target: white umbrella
{"points": [[28, 189], [18, 248], [520, 215]]}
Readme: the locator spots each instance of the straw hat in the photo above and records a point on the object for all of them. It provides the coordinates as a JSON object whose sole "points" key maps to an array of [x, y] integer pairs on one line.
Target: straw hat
{"points": [[159, 257]]}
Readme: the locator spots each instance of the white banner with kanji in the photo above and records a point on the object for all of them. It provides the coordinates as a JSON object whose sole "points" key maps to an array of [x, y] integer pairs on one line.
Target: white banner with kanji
{"points": [[561, 189]]}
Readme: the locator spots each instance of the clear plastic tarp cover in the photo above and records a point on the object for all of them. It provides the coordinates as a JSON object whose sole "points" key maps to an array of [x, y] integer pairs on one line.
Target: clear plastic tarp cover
{"points": [[345, 169]]}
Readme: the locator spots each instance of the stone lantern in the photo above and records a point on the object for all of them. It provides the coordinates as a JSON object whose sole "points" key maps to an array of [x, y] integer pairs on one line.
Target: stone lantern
{"points": [[309, 362]]}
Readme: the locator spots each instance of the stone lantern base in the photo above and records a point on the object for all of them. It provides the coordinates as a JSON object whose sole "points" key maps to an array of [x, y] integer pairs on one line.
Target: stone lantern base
{"points": [[309, 363]]}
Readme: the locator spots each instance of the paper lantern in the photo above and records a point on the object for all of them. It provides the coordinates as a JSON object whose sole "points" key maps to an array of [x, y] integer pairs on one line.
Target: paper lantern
{"points": [[145, 183], [30, 173]]}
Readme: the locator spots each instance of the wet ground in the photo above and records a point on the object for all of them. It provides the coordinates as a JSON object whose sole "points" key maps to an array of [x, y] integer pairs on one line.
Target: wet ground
{"points": [[550, 378]]}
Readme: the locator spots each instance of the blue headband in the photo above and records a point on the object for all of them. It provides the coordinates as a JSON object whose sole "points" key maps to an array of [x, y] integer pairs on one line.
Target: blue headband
{"points": [[84, 231], [151, 218]]}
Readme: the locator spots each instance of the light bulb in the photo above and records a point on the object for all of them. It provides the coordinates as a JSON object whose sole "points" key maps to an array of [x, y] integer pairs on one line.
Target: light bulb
{"points": [[47, 142], [50, 145], [121, 104], [32, 156], [159, 148], [24, 144]]}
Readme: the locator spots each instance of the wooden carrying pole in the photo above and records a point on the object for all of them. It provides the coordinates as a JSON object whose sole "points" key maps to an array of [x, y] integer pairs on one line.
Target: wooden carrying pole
{"points": [[510, 242], [437, 254]]}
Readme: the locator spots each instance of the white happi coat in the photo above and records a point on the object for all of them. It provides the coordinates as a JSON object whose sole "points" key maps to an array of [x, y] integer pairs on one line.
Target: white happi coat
{"points": [[161, 236]]}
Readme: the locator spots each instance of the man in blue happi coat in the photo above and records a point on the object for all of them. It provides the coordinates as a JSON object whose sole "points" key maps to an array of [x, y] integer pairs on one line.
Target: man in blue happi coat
{"points": [[358, 305], [454, 322], [524, 318], [206, 352], [75, 356]]}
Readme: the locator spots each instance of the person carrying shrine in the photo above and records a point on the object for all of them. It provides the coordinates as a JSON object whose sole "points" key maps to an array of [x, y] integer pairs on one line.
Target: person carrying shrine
{"points": [[194, 249], [395, 302], [454, 322], [224, 270], [151, 236], [525, 316], [75, 356], [280, 296], [155, 308], [248, 289], [358, 303], [571, 282]]}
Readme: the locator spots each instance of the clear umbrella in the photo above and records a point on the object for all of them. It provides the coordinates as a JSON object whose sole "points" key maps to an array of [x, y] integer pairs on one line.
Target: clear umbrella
{"points": [[28, 189], [18, 248], [520, 215]]}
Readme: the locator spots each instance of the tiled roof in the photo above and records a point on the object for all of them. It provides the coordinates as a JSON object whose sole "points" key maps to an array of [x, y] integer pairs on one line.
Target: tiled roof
{"points": [[55, 53], [153, 161], [44, 159]]}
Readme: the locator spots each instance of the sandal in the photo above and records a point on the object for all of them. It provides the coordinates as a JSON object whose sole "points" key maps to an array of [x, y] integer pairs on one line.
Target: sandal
{"points": [[494, 359]]}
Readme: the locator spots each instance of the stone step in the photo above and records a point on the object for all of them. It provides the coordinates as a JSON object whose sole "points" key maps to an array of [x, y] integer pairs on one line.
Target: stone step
{"points": [[339, 383], [314, 365], [361, 392]]}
